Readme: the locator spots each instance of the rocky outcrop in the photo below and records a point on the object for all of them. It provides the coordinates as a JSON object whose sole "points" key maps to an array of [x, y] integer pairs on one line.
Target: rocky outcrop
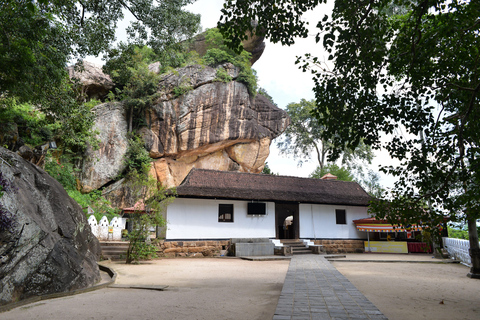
{"points": [[49, 248], [94, 83], [103, 164], [214, 125], [255, 45]]}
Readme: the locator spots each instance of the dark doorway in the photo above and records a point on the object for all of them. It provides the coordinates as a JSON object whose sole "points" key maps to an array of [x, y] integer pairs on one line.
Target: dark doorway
{"points": [[287, 228]]}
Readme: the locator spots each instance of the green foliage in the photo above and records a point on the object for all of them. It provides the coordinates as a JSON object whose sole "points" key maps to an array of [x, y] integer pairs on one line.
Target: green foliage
{"points": [[147, 191], [216, 56], [403, 69], [267, 170], [135, 85], [218, 52], [137, 157], [32, 127], [39, 38], [341, 173], [141, 250], [63, 171], [264, 93], [70, 126], [246, 75], [457, 233], [222, 75], [181, 90], [304, 138], [371, 184]]}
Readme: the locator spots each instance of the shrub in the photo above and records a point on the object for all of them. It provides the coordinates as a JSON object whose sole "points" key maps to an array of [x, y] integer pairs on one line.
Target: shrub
{"points": [[223, 76], [137, 157]]}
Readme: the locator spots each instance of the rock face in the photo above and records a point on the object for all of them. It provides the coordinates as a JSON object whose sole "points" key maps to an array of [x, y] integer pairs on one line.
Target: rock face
{"points": [[50, 247], [105, 163], [214, 125], [255, 45], [95, 84]]}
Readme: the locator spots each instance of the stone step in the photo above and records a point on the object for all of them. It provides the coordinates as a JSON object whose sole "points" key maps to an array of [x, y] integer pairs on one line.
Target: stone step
{"points": [[114, 243], [300, 249], [304, 251], [115, 250], [294, 245]]}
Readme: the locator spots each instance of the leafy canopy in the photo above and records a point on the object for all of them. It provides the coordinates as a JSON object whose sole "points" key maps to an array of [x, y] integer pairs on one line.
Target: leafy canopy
{"points": [[406, 69], [39, 38], [304, 138], [341, 173]]}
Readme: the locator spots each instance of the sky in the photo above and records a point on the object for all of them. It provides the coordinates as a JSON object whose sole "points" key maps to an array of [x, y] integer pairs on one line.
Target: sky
{"points": [[281, 78]]}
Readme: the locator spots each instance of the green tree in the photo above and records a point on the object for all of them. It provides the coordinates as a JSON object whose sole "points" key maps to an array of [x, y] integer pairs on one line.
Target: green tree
{"points": [[264, 93], [371, 184], [412, 74], [304, 138], [151, 201], [341, 173], [39, 38], [370, 181], [267, 170]]}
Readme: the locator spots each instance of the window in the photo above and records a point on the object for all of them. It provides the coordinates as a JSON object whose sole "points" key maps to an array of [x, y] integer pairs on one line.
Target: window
{"points": [[225, 213], [341, 216]]}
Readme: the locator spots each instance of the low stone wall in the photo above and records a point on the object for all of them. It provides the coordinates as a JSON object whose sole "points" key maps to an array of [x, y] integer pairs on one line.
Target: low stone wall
{"points": [[342, 246], [207, 248]]}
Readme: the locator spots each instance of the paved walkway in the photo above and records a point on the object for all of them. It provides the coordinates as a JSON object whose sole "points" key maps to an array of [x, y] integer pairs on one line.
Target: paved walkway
{"points": [[314, 289]]}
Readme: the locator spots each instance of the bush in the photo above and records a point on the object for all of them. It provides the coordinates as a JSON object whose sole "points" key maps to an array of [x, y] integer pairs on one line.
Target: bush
{"points": [[33, 129], [62, 170], [216, 56], [137, 157], [223, 76]]}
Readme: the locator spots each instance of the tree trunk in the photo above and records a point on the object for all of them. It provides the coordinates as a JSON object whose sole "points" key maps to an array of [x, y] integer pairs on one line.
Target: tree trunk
{"points": [[474, 249]]}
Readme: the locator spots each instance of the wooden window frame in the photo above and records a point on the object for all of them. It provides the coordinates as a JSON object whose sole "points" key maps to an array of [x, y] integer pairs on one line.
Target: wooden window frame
{"points": [[223, 210], [341, 216]]}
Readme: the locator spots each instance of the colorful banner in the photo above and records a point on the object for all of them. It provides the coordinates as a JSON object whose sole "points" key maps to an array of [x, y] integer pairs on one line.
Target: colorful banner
{"points": [[386, 246]]}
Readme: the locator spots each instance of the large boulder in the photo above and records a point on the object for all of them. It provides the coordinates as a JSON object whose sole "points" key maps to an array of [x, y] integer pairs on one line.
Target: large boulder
{"points": [[103, 164], [93, 82], [214, 125], [254, 44], [50, 247]]}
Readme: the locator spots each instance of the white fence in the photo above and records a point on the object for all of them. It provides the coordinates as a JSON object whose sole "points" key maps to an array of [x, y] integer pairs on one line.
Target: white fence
{"points": [[458, 249], [105, 230]]}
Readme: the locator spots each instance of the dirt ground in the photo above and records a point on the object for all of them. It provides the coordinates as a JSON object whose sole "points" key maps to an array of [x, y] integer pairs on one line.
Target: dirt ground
{"points": [[414, 290], [229, 288], [199, 288]]}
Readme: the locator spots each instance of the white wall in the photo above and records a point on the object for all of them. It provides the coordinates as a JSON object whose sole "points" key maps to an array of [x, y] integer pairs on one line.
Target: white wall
{"points": [[198, 219], [319, 221]]}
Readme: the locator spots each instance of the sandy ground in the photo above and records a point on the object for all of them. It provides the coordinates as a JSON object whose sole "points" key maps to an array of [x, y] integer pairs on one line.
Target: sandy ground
{"points": [[414, 290], [199, 288], [227, 288]]}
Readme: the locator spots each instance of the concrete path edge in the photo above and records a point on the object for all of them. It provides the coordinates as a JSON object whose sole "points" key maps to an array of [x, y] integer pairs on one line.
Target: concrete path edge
{"points": [[101, 285]]}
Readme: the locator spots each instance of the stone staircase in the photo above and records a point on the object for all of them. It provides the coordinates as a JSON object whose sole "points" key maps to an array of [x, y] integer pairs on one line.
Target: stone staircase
{"points": [[298, 247], [115, 250]]}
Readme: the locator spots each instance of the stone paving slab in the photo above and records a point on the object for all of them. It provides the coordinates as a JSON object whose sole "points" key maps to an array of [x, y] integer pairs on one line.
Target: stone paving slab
{"points": [[265, 258], [314, 289]]}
